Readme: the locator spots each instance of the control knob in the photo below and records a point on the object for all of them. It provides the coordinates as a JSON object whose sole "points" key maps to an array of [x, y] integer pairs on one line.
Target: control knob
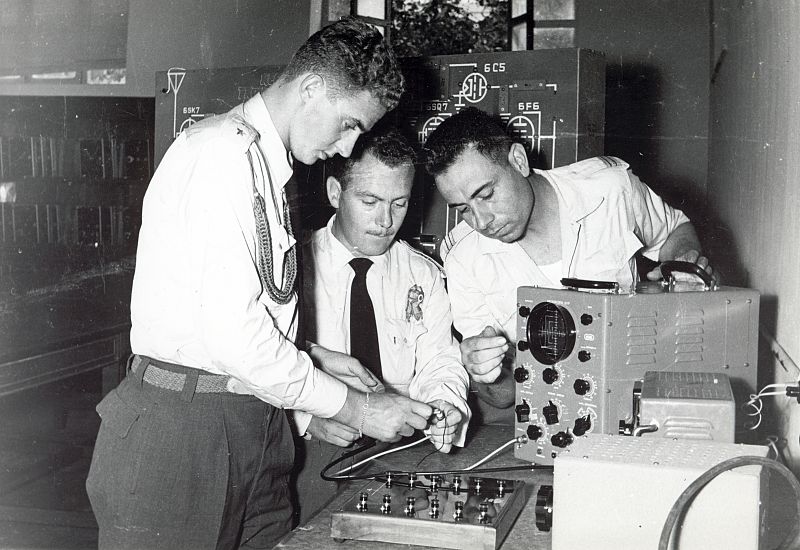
{"points": [[582, 425], [534, 432], [561, 439], [549, 375], [581, 386], [544, 508]]}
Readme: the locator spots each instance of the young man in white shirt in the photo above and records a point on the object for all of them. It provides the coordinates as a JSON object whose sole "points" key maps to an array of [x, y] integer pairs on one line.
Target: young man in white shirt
{"points": [[195, 450], [418, 355], [523, 226]]}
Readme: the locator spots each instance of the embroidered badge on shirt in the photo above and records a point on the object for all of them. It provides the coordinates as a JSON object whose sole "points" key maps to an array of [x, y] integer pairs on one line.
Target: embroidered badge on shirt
{"points": [[414, 303]]}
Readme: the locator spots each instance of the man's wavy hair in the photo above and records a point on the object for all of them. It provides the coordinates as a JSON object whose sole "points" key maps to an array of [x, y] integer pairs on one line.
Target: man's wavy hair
{"points": [[352, 56], [470, 127], [385, 142]]}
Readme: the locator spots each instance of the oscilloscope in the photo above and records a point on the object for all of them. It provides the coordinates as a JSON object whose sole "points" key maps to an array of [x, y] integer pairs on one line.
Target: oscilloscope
{"points": [[580, 354]]}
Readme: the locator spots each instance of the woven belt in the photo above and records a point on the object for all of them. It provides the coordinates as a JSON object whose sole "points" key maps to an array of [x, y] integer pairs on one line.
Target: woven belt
{"points": [[168, 380]]}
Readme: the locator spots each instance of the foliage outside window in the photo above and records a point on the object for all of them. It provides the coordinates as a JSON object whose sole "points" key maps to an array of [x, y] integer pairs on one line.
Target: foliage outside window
{"points": [[438, 27]]}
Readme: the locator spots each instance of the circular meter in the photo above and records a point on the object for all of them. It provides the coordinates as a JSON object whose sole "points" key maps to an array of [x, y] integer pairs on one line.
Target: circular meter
{"points": [[551, 333]]}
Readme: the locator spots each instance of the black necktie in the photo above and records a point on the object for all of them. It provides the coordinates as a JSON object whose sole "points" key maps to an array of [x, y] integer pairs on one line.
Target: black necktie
{"points": [[363, 331]]}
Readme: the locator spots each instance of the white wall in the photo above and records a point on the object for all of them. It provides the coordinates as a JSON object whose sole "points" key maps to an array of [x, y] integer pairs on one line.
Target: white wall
{"points": [[657, 56], [754, 178]]}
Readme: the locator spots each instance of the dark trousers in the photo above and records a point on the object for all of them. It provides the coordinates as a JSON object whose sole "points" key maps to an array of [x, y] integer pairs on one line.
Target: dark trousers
{"points": [[313, 492], [178, 469]]}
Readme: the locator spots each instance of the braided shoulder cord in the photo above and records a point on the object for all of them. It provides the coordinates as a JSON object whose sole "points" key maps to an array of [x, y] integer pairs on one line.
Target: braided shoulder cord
{"points": [[283, 295]]}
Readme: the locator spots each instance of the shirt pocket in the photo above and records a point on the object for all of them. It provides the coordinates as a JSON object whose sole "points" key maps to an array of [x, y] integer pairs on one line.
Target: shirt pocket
{"points": [[608, 259], [403, 337]]}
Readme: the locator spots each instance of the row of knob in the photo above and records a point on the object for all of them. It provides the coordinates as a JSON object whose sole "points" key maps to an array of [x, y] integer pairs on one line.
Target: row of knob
{"points": [[455, 487], [551, 376], [550, 413], [433, 508]]}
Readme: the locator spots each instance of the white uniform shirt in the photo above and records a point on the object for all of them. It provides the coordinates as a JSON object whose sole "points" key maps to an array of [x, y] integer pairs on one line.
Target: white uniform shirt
{"points": [[607, 215], [197, 297], [419, 356]]}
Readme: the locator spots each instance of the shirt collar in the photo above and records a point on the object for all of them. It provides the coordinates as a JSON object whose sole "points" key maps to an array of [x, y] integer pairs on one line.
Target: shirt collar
{"points": [[339, 255], [280, 160], [577, 201]]}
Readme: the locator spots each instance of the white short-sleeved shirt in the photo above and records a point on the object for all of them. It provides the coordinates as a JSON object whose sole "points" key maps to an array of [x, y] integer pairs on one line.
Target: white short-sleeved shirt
{"points": [[607, 215], [419, 356]]}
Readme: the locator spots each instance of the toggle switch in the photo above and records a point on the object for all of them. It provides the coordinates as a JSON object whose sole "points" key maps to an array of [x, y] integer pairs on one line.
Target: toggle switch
{"points": [[523, 411]]}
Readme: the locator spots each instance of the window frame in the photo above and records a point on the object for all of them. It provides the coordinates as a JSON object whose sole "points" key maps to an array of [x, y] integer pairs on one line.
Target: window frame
{"points": [[531, 24]]}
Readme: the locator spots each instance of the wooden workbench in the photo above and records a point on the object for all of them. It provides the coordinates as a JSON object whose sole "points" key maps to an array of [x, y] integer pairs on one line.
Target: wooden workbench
{"points": [[315, 533]]}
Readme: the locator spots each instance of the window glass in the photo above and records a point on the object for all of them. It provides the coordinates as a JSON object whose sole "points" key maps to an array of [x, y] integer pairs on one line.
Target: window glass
{"points": [[106, 76], [518, 7], [66, 75], [338, 9], [544, 10], [371, 8], [518, 37], [553, 38]]}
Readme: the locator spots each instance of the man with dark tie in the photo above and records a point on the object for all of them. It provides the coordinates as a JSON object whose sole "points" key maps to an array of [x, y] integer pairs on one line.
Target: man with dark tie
{"points": [[378, 299]]}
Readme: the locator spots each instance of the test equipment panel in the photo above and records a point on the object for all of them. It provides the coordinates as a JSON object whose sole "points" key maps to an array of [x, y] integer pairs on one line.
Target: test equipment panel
{"points": [[552, 101], [185, 97], [460, 512], [581, 354]]}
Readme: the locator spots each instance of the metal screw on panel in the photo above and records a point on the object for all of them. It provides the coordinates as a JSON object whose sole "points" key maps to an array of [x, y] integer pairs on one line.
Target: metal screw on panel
{"points": [[386, 507], [458, 515], [410, 512], [362, 502]]}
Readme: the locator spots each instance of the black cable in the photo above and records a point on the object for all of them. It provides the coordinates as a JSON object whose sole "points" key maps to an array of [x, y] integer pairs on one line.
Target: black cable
{"points": [[381, 476], [424, 458], [361, 445], [528, 467], [792, 541], [421, 460], [369, 443]]}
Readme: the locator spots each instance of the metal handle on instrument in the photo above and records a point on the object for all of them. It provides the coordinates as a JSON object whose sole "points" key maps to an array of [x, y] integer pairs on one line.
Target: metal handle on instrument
{"points": [[672, 266], [588, 284]]}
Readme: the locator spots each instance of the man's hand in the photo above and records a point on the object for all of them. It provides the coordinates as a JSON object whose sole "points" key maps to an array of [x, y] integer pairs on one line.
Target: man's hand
{"points": [[483, 354], [332, 431], [346, 368], [443, 428], [390, 416], [691, 256], [683, 245]]}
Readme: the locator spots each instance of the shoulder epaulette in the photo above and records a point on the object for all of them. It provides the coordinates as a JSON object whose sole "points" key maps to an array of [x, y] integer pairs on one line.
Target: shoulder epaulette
{"points": [[231, 127], [453, 237], [422, 255], [595, 164]]}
